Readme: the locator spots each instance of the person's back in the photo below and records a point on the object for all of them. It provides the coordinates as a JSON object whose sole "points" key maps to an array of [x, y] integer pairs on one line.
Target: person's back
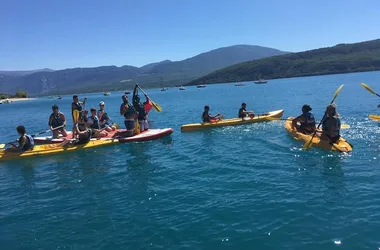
{"points": [[331, 124], [307, 124], [306, 121]]}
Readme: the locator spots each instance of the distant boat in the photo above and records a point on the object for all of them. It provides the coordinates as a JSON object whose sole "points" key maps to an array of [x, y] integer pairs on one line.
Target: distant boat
{"points": [[59, 97], [240, 84], [106, 93], [164, 89], [127, 92], [182, 88], [260, 81], [201, 86]]}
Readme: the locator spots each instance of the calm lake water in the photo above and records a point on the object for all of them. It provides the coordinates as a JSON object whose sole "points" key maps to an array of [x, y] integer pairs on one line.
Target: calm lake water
{"points": [[245, 187]]}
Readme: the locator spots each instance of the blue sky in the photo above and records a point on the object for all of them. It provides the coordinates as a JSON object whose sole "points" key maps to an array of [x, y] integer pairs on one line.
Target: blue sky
{"points": [[61, 34]]}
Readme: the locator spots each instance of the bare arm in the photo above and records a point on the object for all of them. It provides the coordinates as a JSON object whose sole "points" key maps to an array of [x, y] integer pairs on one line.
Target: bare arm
{"points": [[63, 119]]}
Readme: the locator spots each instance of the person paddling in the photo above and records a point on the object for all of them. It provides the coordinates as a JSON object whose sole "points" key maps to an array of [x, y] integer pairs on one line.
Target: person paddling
{"points": [[25, 142], [57, 119], [128, 111], [306, 121], [142, 114], [77, 105], [331, 124], [244, 113], [206, 117]]}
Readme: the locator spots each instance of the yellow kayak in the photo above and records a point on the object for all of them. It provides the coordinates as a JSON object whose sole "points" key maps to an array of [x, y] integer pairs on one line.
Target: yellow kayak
{"points": [[48, 149], [341, 145], [273, 115], [374, 117]]}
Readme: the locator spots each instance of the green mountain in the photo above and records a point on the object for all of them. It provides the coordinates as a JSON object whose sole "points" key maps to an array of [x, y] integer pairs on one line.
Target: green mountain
{"points": [[342, 58], [110, 78]]}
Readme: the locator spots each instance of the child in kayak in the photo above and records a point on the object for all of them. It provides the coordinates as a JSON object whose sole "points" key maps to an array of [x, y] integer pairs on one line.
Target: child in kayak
{"points": [[306, 121], [244, 113], [331, 124], [206, 117], [25, 142]]}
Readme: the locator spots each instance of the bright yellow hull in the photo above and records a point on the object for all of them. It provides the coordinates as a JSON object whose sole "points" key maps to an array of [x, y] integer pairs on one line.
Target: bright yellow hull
{"points": [[341, 145], [273, 115]]}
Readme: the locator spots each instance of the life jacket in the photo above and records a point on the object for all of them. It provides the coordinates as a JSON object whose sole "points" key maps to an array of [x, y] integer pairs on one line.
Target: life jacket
{"points": [[78, 106], [29, 143], [336, 131], [95, 122], [57, 120], [205, 117], [130, 111], [142, 112], [309, 120]]}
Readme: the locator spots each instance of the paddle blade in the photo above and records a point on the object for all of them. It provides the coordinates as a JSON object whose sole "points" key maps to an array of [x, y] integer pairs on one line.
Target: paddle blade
{"points": [[344, 126], [2, 145], [337, 92], [76, 116], [368, 88], [137, 127], [374, 117], [116, 126], [156, 106], [307, 145]]}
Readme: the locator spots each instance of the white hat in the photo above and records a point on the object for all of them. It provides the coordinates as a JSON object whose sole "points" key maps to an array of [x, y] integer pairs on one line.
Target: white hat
{"points": [[101, 103]]}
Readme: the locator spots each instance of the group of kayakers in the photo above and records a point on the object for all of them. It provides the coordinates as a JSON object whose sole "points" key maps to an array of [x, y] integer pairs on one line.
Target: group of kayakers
{"points": [[96, 124], [242, 113], [305, 123]]}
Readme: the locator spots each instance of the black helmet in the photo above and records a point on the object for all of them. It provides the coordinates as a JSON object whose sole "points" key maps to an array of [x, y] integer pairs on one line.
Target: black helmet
{"points": [[54, 106]]}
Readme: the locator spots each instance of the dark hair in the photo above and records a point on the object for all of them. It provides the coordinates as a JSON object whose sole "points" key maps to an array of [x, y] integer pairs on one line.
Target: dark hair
{"points": [[207, 107], [243, 104], [21, 129], [92, 110], [306, 108], [124, 97], [75, 96], [54, 106]]}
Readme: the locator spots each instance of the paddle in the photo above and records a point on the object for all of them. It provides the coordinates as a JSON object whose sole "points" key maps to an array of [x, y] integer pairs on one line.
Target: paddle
{"points": [[114, 124], [76, 114], [155, 105], [309, 143], [369, 89]]}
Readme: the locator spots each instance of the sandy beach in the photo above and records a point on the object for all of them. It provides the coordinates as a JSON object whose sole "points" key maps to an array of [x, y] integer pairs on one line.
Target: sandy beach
{"points": [[10, 100]]}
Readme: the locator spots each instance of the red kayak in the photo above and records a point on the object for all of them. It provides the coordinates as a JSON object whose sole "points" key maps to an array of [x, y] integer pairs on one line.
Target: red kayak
{"points": [[150, 134]]}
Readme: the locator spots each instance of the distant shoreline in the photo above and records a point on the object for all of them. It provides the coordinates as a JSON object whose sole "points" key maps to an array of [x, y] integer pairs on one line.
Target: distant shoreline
{"points": [[16, 100]]}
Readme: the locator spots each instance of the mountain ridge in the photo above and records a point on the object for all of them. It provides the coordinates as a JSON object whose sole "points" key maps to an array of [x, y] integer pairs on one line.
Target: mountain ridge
{"points": [[341, 58], [110, 78]]}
